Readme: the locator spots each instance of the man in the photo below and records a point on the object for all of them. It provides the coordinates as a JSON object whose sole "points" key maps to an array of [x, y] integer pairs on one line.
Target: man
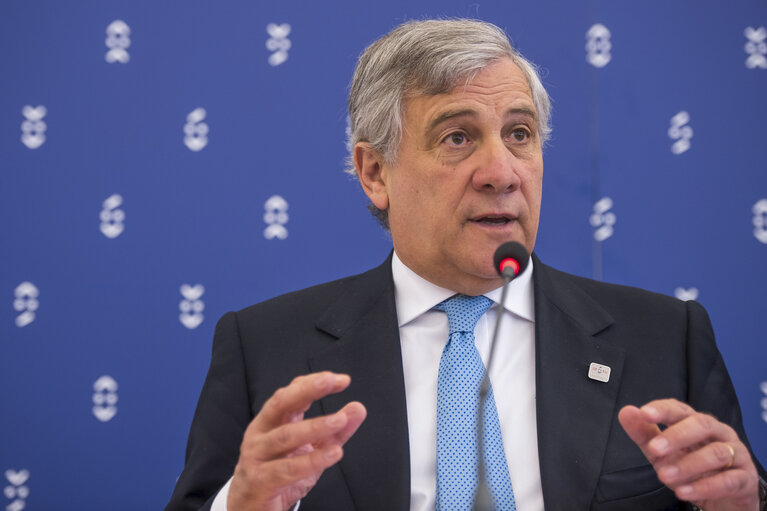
{"points": [[448, 122]]}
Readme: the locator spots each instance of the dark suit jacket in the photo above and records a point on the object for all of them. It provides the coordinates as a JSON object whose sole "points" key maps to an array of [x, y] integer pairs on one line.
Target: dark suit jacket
{"points": [[657, 347]]}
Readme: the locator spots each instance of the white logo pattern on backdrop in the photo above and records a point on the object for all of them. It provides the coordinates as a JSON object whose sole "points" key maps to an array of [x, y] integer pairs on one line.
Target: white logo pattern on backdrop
{"points": [[33, 127], [756, 47], [686, 294], [196, 131], [191, 306], [118, 41], [598, 45], [602, 219], [276, 216], [760, 220], [105, 398], [17, 490], [112, 218], [680, 131], [278, 43], [25, 301]]}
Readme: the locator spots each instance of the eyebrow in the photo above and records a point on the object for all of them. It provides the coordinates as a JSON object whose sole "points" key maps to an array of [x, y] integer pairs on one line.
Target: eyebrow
{"points": [[452, 114], [449, 114]]}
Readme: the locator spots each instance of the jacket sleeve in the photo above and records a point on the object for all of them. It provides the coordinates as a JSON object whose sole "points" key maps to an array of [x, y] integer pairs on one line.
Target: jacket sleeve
{"points": [[222, 415], [710, 387]]}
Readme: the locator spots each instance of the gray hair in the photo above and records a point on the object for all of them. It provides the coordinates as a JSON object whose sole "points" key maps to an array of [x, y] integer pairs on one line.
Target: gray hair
{"points": [[425, 57]]}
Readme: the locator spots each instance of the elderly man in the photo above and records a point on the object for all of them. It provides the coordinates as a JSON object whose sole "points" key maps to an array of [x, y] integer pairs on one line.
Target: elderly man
{"points": [[448, 122]]}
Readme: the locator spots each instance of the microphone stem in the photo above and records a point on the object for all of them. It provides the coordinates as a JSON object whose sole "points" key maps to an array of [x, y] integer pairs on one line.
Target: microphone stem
{"points": [[486, 380], [483, 499]]}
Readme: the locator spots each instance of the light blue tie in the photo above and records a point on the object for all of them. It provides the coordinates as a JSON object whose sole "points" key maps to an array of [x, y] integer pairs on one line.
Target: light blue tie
{"points": [[460, 376]]}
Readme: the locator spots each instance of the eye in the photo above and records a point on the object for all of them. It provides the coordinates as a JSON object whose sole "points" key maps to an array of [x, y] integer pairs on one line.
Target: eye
{"points": [[520, 134], [456, 139]]}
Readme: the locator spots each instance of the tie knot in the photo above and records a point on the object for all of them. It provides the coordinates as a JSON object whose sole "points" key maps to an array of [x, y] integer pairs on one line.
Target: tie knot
{"points": [[463, 311]]}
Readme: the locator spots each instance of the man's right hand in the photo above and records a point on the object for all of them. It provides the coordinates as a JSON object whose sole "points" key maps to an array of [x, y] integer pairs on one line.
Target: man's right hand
{"points": [[282, 455]]}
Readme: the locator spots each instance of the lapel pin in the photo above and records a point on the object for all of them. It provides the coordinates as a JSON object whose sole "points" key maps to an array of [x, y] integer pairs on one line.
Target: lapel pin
{"points": [[599, 372]]}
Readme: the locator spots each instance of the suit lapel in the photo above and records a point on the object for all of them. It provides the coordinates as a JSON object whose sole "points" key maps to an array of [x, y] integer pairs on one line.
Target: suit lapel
{"points": [[376, 462], [574, 412]]}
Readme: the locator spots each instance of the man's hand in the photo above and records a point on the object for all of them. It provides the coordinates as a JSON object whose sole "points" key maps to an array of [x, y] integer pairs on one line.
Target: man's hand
{"points": [[282, 455], [698, 457]]}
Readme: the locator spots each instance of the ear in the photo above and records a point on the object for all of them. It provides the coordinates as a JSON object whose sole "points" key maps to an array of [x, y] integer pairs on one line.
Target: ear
{"points": [[372, 174]]}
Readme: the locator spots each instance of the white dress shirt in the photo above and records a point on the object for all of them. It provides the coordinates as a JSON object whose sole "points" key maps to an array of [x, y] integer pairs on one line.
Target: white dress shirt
{"points": [[423, 335]]}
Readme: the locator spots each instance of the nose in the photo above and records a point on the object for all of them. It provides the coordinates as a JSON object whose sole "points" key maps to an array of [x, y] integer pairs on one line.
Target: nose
{"points": [[497, 168]]}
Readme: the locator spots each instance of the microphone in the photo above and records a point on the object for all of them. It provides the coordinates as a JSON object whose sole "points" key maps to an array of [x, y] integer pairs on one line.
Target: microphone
{"points": [[510, 260]]}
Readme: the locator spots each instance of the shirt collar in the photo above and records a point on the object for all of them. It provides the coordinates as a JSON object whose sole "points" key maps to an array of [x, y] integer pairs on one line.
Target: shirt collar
{"points": [[415, 295]]}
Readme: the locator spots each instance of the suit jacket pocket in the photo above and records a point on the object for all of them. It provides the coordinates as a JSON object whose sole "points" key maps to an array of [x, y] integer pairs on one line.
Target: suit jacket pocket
{"points": [[631, 489]]}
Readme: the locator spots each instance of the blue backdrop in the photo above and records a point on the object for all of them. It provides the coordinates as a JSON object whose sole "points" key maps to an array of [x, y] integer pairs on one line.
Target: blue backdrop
{"points": [[165, 162]]}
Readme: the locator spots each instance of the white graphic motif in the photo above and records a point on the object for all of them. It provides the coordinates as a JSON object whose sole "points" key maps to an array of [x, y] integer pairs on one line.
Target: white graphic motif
{"points": [[276, 216], [17, 491], [603, 219], [598, 45], [112, 219], [25, 301], [686, 294], [105, 398], [278, 43], [118, 39], [760, 220], [195, 130], [681, 132], [33, 127], [763, 386], [756, 47], [191, 306]]}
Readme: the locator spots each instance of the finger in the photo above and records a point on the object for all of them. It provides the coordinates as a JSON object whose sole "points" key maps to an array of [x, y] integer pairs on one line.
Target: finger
{"points": [[637, 427], [730, 484], [666, 411], [256, 485], [355, 414], [277, 474], [285, 439], [287, 402], [690, 433], [703, 462]]}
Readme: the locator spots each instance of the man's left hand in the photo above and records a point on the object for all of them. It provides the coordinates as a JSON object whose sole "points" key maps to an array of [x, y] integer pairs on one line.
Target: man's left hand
{"points": [[698, 457]]}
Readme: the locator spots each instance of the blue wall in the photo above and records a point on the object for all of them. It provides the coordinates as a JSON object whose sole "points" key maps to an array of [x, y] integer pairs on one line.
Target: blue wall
{"points": [[163, 169]]}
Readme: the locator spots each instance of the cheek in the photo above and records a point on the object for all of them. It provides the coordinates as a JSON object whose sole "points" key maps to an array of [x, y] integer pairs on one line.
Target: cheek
{"points": [[427, 198], [534, 184]]}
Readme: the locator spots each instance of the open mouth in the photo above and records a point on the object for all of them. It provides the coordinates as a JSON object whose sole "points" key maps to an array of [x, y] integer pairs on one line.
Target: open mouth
{"points": [[493, 220]]}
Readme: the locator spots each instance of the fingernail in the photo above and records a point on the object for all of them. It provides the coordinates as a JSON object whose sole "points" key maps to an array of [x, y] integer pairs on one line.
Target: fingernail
{"points": [[669, 473], [334, 421], [684, 491], [659, 444], [321, 382], [333, 454], [652, 412]]}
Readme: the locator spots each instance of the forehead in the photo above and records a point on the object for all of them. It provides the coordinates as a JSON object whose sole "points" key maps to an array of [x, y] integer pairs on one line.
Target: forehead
{"points": [[498, 88]]}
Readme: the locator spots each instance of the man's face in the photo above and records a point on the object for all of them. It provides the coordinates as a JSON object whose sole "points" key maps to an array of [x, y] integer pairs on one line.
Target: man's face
{"points": [[467, 178]]}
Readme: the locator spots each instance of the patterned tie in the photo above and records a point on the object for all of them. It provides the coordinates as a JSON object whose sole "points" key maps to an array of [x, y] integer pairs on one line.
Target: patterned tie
{"points": [[460, 376]]}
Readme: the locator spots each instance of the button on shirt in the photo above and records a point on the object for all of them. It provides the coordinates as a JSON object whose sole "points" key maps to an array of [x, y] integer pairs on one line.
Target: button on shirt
{"points": [[423, 335]]}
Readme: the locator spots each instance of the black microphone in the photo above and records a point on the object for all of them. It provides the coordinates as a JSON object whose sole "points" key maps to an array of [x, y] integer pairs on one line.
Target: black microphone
{"points": [[510, 260]]}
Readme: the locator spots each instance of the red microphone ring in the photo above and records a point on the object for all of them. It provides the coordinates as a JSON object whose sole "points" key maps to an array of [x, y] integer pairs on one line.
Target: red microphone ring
{"points": [[509, 262]]}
